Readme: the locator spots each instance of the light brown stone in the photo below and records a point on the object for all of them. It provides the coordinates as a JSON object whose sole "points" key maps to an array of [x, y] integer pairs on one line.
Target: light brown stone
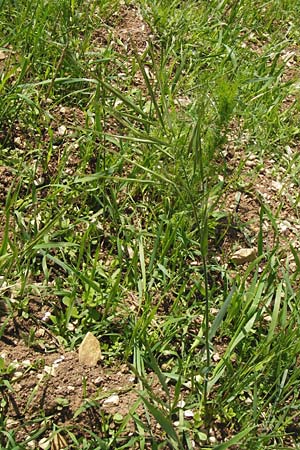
{"points": [[89, 350], [244, 255]]}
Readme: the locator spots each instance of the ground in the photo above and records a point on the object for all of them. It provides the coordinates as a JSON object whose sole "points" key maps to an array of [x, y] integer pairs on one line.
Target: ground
{"points": [[99, 218]]}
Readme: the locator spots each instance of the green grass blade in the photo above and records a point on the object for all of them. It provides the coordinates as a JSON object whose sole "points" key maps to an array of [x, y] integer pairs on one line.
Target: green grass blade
{"points": [[220, 316], [164, 422]]}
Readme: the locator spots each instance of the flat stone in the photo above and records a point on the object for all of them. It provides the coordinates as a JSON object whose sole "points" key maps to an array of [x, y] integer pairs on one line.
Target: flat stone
{"points": [[89, 350], [113, 400], [244, 255]]}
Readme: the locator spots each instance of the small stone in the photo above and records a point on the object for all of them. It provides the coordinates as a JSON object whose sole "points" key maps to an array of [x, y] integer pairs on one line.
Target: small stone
{"points": [[89, 350], [46, 316], [188, 414], [71, 326], [284, 227], [26, 363], [40, 333], [44, 443], [276, 185], [216, 357], [2, 55], [113, 400], [181, 404], [252, 157], [17, 375], [250, 163], [98, 381], [61, 131], [11, 423], [50, 370], [244, 255], [267, 318], [4, 355], [18, 141]]}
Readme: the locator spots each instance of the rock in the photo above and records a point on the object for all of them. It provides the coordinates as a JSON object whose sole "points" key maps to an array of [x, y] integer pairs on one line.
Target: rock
{"points": [[188, 414], [113, 400], [181, 404], [61, 131], [40, 333], [11, 423], [244, 255], [284, 227], [44, 443], [89, 350], [50, 370], [98, 381], [17, 374], [276, 185]]}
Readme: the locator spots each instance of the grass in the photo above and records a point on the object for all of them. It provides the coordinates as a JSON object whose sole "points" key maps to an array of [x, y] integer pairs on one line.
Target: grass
{"points": [[121, 156]]}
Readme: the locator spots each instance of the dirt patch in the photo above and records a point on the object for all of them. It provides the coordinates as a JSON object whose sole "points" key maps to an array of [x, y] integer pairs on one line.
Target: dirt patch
{"points": [[291, 58], [262, 198], [66, 392], [125, 35], [7, 178], [46, 388], [126, 31]]}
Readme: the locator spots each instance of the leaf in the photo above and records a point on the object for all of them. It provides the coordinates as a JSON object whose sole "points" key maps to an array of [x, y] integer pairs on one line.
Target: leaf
{"points": [[58, 442], [123, 98], [235, 440], [164, 422], [157, 370], [275, 312], [296, 257], [219, 317]]}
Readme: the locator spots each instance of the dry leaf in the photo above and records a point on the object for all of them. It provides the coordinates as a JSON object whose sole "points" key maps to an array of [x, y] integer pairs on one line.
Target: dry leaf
{"points": [[58, 442]]}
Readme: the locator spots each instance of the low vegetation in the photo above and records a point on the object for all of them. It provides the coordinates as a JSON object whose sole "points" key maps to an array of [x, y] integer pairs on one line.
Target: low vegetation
{"points": [[144, 145]]}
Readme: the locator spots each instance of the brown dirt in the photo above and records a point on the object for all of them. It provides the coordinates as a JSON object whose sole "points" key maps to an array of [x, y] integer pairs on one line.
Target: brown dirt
{"points": [[7, 179], [126, 31], [49, 385], [256, 183]]}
